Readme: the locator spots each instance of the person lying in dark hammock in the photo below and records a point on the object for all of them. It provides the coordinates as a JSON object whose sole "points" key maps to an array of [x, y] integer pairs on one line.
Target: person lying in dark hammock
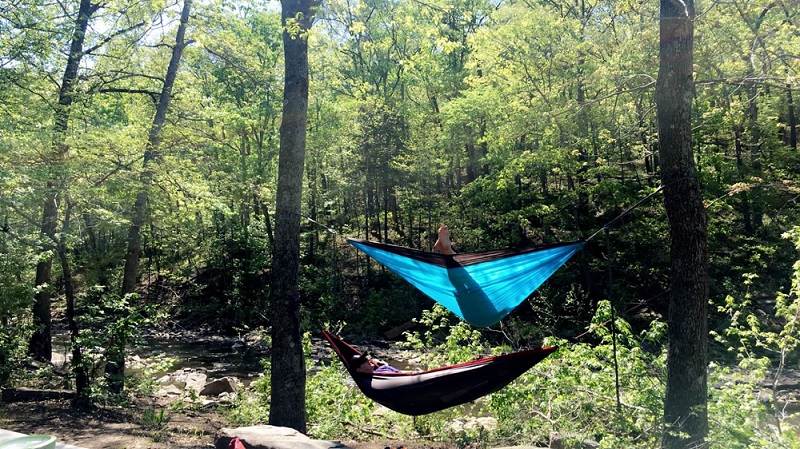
{"points": [[366, 366], [422, 392]]}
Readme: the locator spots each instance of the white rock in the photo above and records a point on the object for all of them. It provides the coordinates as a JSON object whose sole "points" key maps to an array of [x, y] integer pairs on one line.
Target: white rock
{"points": [[273, 437]]}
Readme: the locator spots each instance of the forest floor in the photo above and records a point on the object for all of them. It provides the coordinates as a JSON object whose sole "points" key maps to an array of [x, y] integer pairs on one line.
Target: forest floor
{"points": [[121, 428], [111, 427]]}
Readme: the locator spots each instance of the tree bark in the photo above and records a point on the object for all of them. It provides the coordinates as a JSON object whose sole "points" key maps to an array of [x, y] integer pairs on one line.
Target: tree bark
{"points": [[288, 374], [115, 368], [40, 346], [81, 399], [740, 170], [685, 404], [792, 119], [755, 153]]}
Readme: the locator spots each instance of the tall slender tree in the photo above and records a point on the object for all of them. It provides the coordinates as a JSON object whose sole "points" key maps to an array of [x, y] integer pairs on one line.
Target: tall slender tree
{"points": [[685, 405], [116, 360], [288, 367], [40, 345]]}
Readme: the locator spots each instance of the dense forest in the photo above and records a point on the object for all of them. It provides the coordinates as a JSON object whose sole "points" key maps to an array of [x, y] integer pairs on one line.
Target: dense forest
{"points": [[139, 150]]}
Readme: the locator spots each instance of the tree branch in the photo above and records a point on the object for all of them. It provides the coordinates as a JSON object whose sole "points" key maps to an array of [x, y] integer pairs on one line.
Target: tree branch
{"points": [[154, 95], [111, 36]]}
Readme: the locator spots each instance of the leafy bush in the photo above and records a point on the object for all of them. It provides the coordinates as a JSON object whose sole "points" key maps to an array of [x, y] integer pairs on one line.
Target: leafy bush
{"points": [[110, 325], [573, 391], [251, 406], [744, 412], [16, 297], [334, 404], [153, 419]]}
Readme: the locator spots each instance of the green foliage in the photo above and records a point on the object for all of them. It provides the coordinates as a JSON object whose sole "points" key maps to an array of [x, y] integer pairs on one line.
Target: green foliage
{"points": [[110, 325], [234, 277], [747, 405], [573, 391], [143, 379], [453, 341], [15, 300], [334, 405], [251, 406], [153, 419], [515, 123]]}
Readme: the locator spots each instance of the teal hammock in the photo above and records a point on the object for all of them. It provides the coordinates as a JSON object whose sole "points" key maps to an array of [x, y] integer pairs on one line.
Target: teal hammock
{"points": [[481, 288]]}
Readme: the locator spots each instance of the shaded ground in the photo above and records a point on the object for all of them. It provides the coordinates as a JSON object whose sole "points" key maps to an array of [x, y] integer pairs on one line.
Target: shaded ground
{"points": [[118, 428], [109, 427]]}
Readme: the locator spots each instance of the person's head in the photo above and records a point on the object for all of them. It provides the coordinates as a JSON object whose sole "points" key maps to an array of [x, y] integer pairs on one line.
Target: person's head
{"points": [[360, 363]]}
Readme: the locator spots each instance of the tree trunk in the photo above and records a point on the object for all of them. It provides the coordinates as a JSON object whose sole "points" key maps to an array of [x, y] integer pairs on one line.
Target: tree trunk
{"points": [[115, 368], [81, 399], [685, 405], [40, 346], [740, 169], [288, 374], [581, 211], [792, 119], [755, 153]]}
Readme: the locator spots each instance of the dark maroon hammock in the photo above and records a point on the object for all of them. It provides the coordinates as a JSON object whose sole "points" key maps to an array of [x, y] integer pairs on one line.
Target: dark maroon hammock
{"points": [[419, 393]]}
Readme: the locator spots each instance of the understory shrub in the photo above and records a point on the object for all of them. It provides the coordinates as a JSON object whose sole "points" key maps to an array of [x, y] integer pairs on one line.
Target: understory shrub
{"points": [[574, 392], [15, 301]]}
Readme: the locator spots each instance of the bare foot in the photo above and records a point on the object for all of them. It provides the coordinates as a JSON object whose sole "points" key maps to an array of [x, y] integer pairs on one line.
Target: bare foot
{"points": [[443, 244]]}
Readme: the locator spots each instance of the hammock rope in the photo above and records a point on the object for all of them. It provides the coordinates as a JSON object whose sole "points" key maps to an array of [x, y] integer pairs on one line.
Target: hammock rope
{"points": [[612, 305]]}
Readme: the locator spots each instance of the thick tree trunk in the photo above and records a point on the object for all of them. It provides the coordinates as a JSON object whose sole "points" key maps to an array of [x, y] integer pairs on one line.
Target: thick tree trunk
{"points": [[685, 405], [40, 345], [288, 374], [115, 368]]}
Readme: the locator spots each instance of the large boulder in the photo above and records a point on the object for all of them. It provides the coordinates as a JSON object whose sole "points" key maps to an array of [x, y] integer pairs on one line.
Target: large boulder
{"points": [[195, 382], [272, 437], [218, 386]]}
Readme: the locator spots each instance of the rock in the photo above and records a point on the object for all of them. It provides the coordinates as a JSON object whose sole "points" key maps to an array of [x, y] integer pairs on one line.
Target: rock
{"points": [[165, 379], [272, 437], [462, 424], [60, 360], [226, 398], [195, 382], [219, 386], [393, 333], [487, 422], [558, 441], [169, 390]]}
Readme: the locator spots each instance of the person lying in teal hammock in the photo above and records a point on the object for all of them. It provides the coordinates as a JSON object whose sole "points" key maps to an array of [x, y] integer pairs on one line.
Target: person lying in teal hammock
{"points": [[364, 365], [481, 287], [443, 244]]}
